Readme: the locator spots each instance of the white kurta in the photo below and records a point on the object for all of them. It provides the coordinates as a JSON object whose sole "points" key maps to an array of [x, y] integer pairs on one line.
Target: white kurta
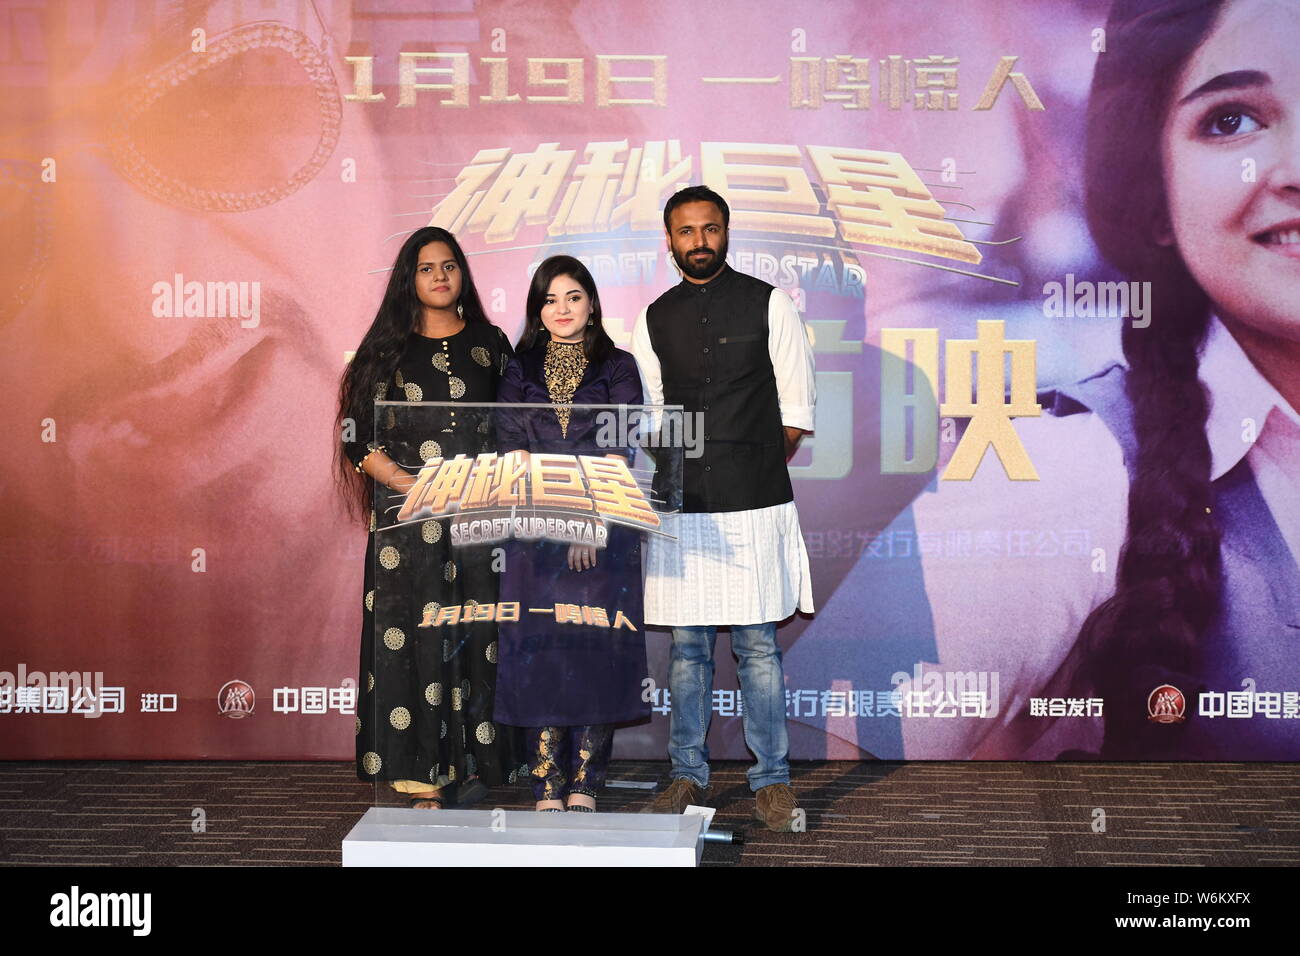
{"points": [[735, 567]]}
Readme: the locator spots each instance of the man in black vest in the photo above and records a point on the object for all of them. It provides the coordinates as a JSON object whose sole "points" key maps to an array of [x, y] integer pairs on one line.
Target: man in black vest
{"points": [[732, 351]]}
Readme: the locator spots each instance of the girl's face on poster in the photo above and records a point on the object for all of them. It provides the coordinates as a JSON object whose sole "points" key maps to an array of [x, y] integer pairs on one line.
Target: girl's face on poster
{"points": [[1231, 151]]}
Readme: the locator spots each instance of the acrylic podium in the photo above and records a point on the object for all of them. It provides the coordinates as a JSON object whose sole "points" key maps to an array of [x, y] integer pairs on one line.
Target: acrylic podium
{"points": [[473, 589]]}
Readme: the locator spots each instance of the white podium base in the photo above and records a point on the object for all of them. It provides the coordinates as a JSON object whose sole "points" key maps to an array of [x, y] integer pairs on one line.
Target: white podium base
{"points": [[390, 836]]}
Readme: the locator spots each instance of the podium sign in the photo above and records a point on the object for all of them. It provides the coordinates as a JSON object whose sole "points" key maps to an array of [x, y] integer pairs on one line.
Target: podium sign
{"points": [[507, 576]]}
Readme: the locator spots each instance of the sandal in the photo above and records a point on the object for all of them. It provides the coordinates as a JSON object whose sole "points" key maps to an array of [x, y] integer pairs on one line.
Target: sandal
{"points": [[426, 803]]}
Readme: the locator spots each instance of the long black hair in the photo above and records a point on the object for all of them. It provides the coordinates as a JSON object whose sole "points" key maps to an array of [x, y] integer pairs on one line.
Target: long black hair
{"points": [[381, 348], [596, 343], [1168, 580]]}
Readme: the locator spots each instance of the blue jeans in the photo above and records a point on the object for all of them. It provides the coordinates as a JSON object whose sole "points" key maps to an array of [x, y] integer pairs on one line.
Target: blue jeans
{"points": [[762, 689]]}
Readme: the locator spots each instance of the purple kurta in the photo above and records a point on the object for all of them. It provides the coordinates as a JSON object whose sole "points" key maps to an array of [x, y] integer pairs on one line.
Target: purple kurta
{"points": [[564, 674]]}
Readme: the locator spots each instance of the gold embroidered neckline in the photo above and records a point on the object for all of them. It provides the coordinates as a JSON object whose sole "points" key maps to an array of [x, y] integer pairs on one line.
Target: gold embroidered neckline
{"points": [[563, 368]]}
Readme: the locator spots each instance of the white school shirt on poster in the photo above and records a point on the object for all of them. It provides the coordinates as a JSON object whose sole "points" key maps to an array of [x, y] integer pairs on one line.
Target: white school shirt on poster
{"points": [[1017, 613], [735, 567]]}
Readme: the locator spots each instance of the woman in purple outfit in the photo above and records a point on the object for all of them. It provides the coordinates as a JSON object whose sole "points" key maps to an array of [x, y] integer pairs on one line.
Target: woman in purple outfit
{"points": [[567, 683]]}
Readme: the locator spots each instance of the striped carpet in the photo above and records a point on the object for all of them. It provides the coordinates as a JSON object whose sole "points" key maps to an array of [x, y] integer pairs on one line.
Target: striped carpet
{"points": [[866, 814]]}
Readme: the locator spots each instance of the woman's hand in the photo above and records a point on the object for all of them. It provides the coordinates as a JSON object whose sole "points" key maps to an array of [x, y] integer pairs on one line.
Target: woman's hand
{"points": [[582, 556]]}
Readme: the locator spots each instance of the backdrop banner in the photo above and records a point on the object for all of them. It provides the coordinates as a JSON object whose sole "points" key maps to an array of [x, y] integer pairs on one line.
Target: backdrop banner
{"points": [[1045, 251]]}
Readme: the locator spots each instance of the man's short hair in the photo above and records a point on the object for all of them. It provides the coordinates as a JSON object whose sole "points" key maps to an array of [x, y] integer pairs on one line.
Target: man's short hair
{"points": [[697, 194]]}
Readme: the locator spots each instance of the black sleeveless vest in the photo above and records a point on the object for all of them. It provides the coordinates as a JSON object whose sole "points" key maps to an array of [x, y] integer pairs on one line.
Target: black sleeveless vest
{"points": [[711, 341]]}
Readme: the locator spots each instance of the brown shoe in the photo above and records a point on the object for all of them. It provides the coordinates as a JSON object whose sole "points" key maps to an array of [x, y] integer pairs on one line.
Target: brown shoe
{"points": [[776, 806], [677, 796]]}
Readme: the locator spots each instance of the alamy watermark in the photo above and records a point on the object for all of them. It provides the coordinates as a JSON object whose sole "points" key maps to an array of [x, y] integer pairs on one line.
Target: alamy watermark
{"points": [[208, 300], [651, 428], [78, 909], [1085, 299]]}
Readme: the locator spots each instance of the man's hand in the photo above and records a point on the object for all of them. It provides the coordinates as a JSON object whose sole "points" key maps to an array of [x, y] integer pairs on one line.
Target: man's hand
{"points": [[792, 436]]}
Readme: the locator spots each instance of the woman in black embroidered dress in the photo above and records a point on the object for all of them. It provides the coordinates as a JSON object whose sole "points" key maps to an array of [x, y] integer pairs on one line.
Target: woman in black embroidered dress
{"points": [[425, 695]]}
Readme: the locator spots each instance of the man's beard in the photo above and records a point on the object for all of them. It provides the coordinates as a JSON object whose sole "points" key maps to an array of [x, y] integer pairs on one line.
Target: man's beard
{"points": [[704, 268]]}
